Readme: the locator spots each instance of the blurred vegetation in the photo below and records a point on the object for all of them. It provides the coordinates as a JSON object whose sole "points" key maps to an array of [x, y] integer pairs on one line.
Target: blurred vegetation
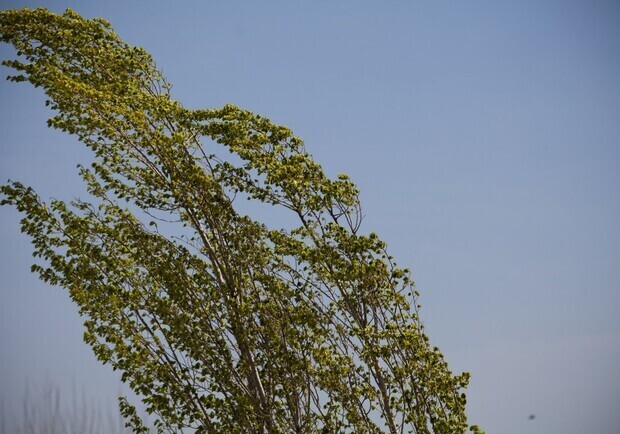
{"points": [[44, 410]]}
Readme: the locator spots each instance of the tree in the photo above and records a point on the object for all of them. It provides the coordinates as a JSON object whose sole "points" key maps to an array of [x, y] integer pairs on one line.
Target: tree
{"points": [[219, 322]]}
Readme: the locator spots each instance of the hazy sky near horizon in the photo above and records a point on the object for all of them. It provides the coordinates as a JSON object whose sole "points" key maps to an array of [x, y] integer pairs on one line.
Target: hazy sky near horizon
{"points": [[485, 139]]}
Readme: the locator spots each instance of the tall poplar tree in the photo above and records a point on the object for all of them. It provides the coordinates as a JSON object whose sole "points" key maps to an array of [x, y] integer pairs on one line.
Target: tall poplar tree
{"points": [[224, 325]]}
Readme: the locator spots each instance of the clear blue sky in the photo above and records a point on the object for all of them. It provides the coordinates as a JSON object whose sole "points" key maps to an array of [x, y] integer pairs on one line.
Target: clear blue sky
{"points": [[485, 138]]}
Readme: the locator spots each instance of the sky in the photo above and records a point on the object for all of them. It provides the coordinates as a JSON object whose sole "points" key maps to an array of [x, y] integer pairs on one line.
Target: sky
{"points": [[485, 139]]}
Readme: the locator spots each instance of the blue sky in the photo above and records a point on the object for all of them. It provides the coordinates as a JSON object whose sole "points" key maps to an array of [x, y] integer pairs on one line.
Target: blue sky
{"points": [[485, 138]]}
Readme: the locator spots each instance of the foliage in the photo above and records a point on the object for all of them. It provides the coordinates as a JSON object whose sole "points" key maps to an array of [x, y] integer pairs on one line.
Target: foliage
{"points": [[223, 325]]}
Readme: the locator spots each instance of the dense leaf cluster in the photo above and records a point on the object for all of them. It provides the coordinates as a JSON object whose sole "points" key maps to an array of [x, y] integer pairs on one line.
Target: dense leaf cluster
{"points": [[226, 325]]}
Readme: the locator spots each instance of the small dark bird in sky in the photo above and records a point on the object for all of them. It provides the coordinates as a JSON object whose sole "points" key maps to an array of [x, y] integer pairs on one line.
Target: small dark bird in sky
{"points": [[532, 417]]}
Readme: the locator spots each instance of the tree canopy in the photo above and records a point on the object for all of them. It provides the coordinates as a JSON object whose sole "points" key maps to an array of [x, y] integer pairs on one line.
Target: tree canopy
{"points": [[219, 322]]}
